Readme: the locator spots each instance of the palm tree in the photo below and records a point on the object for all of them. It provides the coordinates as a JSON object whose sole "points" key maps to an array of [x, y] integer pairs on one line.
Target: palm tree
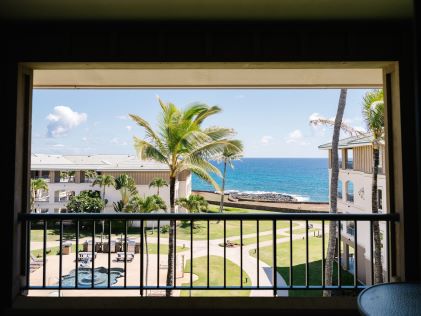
{"points": [[227, 157], [104, 181], [181, 143], [146, 205], [127, 187], [194, 203], [373, 114], [37, 184], [158, 183], [331, 249]]}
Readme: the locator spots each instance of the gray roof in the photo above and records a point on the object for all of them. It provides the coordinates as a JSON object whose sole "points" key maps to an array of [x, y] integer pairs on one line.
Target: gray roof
{"points": [[350, 142], [93, 162]]}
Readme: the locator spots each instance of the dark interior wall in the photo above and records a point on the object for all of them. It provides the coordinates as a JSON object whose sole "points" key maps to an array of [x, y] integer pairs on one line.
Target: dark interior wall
{"points": [[222, 41]]}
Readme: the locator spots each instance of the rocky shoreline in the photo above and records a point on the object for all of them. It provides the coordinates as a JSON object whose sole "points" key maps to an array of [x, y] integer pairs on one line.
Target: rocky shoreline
{"points": [[261, 197]]}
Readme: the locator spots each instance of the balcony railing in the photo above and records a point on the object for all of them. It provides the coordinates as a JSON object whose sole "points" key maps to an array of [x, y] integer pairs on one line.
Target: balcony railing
{"points": [[262, 277], [349, 165], [350, 197]]}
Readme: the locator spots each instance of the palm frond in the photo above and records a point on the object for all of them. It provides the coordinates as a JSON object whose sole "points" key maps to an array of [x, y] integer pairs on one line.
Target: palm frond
{"points": [[147, 151], [344, 127]]}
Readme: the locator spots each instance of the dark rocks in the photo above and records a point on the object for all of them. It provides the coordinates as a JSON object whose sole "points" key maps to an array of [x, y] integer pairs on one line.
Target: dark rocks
{"points": [[262, 197]]}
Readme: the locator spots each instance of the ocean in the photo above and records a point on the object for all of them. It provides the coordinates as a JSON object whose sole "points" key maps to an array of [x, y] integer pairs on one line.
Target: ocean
{"points": [[303, 178]]}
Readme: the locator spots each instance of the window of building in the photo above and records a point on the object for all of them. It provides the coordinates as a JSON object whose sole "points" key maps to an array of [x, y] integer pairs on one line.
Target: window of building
{"points": [[339, 189], [349, 191], [349, 159]]}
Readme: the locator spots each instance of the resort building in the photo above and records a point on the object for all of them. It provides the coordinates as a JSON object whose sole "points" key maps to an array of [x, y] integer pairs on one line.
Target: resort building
{"points": [[354, 196], [67, 175]]}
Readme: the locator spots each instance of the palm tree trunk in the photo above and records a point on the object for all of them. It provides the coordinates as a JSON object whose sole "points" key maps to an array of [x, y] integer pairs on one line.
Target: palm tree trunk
{"points": [[331, 249], [378, 266], [157, 191], [171, 241], [147, 257], [221, 205]]}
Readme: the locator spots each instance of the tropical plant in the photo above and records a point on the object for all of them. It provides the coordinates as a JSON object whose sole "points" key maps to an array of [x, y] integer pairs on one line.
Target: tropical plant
{"points": [[37, 184], [146, 205], [331, 249], [70, 175], [181, 143], [86, 202], [193, 204], [104, 181], [91, 174], [227, 158], [127, 187], [158, 183]]}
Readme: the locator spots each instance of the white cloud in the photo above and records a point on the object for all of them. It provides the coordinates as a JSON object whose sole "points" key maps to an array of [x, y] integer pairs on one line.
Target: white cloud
{"points": [[118, 141], [122, 117], [129, 127], [85, 139], [266, 139], [62, 120], [296, 137], [57, 145]]}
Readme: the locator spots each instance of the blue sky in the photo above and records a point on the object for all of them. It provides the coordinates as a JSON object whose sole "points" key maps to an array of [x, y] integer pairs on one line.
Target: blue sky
{"points": [[270, 122]]}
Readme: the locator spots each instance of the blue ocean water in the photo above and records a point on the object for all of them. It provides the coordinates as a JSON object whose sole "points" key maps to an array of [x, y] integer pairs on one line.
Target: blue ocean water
{"points": [[304, 178]]}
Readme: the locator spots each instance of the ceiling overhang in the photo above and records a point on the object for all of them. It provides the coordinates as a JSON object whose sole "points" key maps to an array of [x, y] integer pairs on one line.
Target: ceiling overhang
{"points": [[210, 76]]}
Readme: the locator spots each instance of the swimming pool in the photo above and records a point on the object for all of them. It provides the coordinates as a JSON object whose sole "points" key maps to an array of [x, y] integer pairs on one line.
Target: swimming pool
{"points": [[85, 277]]}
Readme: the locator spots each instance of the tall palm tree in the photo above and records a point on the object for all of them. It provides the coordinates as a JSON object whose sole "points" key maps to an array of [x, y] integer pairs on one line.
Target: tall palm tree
{"points": [[146, 205], [104, 181], [227, 157], [181, 143], [158, 183], [331, 249], [193, 204], [37, 184], [373, 114]]}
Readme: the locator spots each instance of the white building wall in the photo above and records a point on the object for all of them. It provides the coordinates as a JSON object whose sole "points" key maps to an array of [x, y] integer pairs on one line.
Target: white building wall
{"points": [[362, 205]]}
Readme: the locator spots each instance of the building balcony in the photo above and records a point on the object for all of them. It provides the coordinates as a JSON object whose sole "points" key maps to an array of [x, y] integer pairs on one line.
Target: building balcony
{"points": [[114, 246]]}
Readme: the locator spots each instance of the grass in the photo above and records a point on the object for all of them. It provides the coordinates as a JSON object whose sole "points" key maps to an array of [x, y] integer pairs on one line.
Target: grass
{"points": [[152, 249], [216, 277], [299, 266], [183, 231], [216, 229]]}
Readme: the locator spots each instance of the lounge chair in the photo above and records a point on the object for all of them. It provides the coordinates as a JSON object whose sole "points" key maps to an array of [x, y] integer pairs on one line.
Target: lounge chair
{"points": [[85, 255], [121, 256]]}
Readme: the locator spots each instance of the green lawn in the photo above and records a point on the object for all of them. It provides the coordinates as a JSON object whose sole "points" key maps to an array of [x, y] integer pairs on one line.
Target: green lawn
{"points": [[299, 259], [216, 230], [152, 249], [216, 277], [183, 231]]}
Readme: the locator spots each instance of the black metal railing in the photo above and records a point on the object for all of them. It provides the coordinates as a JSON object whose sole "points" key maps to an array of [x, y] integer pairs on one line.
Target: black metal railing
{"points": [[103, 223]]}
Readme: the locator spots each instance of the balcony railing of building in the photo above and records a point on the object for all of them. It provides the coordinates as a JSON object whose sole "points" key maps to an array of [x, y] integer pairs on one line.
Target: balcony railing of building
{"points": [[349, 165], [350, 197], [273, 221]]}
